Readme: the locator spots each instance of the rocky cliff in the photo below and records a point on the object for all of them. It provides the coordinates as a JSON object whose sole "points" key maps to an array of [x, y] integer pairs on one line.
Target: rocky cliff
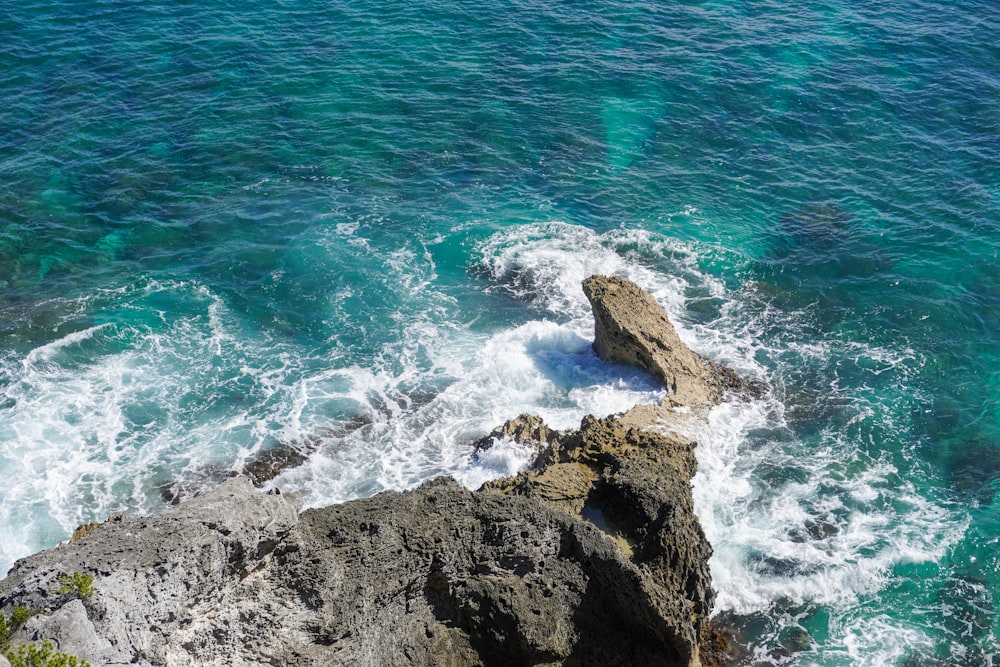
{"points": [[592, 556]]}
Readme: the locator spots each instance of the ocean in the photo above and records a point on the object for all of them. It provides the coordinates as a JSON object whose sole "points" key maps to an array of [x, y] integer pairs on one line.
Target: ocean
{"points": [[357, 230]]}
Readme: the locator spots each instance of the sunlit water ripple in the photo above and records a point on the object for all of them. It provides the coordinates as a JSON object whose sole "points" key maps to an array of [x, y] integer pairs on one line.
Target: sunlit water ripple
{"points": [[359, 230]]}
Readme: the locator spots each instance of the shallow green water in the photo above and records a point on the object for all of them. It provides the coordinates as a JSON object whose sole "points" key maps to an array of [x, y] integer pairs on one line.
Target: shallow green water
{"points": [[359, 230]]}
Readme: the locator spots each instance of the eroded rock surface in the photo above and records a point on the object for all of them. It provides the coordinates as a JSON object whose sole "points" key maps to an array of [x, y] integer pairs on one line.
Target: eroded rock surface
{"points": [[436, 575], [635, 484], [159, 580], [630, 327], [592, 556]]}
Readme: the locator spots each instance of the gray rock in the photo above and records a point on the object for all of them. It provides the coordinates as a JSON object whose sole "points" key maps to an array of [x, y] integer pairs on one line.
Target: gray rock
{"points": [[72, 632], [526, 429], [437, 575], [156, 578]]}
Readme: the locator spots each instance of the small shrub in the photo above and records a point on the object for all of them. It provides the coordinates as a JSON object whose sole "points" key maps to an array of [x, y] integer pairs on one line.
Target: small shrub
{"points": [[79, 584], [46, 655], [19, 617]]}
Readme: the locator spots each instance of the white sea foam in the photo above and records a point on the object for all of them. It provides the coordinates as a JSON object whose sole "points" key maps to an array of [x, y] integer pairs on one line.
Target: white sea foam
{"points": [[540, 367], [544, 366], [544, 264], [801, 519], [877, 641], [173, 388], [96, 419], [823, 525], [45, 352], [798, 520]]}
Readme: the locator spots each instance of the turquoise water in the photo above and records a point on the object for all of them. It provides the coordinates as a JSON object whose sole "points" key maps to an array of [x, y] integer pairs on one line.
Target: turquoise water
{"points": [[359, 230]]}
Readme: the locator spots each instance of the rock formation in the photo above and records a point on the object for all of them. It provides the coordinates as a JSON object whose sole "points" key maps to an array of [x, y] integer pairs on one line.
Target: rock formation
{"points": [[592, 556], [635, 485], [630, 327]]}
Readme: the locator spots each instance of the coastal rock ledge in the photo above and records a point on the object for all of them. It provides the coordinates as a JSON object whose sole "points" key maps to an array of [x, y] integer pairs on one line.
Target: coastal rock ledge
{"points": [[592, 556]]}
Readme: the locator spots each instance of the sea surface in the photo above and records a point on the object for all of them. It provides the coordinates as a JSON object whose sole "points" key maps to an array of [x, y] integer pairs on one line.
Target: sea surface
{"points": [[358, 229]]}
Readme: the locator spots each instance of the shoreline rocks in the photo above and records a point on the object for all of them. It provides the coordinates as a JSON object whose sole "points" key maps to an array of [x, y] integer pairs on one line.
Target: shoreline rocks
{"points": [[591, 556]]}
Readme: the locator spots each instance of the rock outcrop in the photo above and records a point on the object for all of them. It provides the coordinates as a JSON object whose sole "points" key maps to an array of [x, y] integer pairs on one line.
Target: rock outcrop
{"points": [[630, 327], [635, 484], [160, 581], [592, 556]]}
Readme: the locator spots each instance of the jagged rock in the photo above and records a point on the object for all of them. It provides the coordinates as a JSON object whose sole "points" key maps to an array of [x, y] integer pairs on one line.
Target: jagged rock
{"points": [[524, 429], [474, 578], [272, 462], [634, 484], [630, 327], [72, 632], [437, 575], [87, 528]]}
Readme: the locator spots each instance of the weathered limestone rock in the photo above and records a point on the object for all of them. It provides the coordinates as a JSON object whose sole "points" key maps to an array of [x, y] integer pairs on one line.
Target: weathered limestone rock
{"points": [[437, 575], [156, 578], [474, 578], [72, 631], [525, 429], [630, 327]]}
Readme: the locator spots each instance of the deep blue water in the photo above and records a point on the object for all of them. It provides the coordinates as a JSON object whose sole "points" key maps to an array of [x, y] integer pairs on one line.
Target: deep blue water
{"points": [[359, 230]]}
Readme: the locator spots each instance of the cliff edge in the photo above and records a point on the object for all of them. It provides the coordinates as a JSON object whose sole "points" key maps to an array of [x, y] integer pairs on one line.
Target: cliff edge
{"points": [[592, 556]]}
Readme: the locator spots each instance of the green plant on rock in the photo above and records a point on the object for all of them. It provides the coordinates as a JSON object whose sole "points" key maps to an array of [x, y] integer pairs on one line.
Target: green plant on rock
{"points": [[19, 617], [79, 584], [46, 655]]}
